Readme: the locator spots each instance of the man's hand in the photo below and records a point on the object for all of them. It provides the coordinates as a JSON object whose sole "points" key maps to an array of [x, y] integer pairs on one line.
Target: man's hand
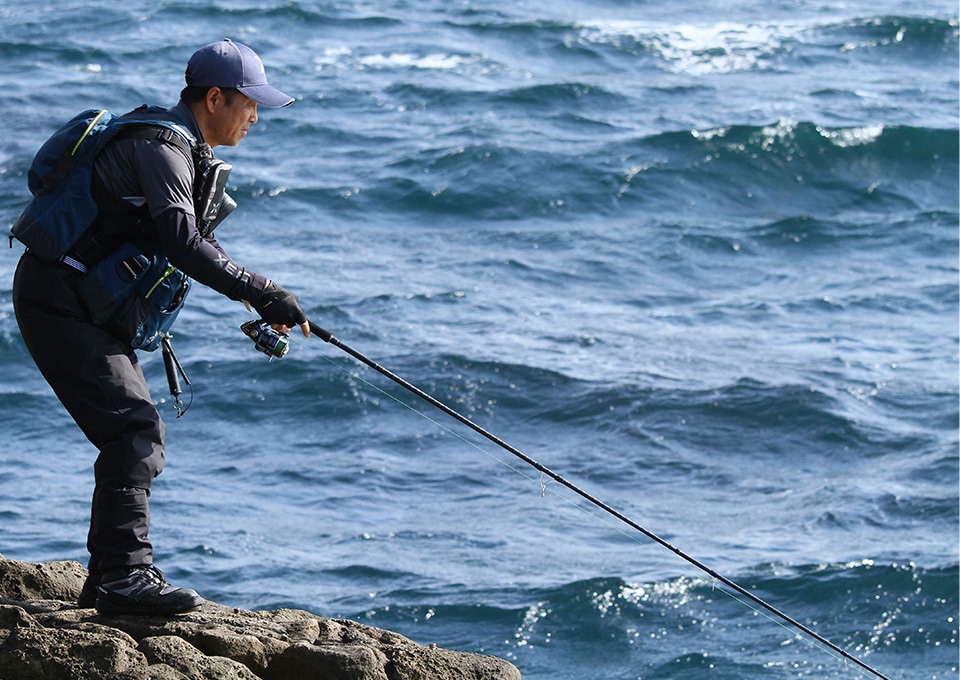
{"points": [[279, 308]]}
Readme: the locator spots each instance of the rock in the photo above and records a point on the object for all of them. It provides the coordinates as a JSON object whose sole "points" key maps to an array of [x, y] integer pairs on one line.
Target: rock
{"points": [[43, 636], [51, 580]]}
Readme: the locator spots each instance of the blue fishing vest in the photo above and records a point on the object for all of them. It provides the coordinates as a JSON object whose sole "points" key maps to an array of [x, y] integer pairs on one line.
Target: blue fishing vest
{"points": [[127, 286]]}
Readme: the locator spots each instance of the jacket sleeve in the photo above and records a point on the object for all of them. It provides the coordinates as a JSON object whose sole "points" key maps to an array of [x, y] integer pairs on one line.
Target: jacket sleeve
{"points": [[166, 179], [204, 260]]}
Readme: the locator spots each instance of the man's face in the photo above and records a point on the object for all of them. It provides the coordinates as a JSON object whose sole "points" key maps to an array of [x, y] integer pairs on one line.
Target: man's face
{"points": [[229, 123]]}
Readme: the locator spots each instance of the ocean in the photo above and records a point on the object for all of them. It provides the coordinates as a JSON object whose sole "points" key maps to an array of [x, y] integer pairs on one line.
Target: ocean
{"points": [[700, 259]]}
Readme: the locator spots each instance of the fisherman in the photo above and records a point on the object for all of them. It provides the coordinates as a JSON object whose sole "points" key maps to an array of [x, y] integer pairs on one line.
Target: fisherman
{"points": [[147, 186]]}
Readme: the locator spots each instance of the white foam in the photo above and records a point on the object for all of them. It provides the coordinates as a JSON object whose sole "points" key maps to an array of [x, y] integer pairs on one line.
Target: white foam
{"points": [[344, 57], [437, 61], [724, 47], [858, 136]]}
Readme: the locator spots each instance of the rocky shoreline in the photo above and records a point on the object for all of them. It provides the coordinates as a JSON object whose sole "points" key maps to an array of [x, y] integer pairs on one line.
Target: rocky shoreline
{"points": [[44, 636]]}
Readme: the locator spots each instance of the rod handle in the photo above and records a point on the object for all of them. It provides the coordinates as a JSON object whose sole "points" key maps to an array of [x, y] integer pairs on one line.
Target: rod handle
{"points": [[321, 333]]}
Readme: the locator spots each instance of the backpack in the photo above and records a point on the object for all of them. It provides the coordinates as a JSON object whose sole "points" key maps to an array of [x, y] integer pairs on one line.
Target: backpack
{"points": [[61, 174], [133, 290]]}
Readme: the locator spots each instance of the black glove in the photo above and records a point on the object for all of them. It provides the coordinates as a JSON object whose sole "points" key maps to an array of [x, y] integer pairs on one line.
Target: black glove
{"points": [[280, 306]]}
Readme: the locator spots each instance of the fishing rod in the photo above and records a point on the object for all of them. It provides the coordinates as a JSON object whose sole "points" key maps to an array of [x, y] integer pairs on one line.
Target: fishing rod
{"points": [[274, 344]]}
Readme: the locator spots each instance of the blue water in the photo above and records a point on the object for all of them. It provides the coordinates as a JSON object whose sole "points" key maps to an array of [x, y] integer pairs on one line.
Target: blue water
{"points": [[700, 259]]}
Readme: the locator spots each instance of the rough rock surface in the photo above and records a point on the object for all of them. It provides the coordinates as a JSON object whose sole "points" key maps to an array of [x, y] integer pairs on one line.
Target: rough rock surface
{"points": [[44, 636]]}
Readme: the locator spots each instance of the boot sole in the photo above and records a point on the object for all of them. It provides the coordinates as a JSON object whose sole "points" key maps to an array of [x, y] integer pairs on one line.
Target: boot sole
{"points": [[107, 607]]}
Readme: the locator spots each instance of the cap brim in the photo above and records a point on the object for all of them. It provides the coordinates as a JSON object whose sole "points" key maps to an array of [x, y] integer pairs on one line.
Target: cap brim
{"points": [[267, 95]]}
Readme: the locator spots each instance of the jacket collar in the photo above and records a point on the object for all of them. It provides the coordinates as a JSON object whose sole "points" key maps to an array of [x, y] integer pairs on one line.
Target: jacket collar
{"points": [[183, 112]]}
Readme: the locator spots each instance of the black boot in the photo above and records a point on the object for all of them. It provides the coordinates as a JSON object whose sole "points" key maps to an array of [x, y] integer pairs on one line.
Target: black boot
{"points": [[143, 590], [88, 595]]}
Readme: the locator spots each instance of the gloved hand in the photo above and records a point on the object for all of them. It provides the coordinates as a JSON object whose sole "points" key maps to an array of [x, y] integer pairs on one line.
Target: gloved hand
{"points": [[279, 306]]}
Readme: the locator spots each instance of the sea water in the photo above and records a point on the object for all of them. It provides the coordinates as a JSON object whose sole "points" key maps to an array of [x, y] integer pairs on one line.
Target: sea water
{"points": [[697, 258]]}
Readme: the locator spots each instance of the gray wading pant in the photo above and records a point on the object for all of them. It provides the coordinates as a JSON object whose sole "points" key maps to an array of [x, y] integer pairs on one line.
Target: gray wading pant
{"points": [[99, 381]]}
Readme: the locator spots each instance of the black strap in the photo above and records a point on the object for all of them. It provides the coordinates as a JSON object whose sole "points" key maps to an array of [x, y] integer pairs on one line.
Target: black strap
{"points": [[119, 221], [152, 131]]}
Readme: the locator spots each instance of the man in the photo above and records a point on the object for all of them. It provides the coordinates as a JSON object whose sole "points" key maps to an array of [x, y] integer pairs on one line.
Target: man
{"points": [[94, 373]]}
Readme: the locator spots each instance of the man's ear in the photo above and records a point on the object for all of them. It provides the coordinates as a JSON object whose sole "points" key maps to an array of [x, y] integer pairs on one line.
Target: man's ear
{"points": [[215, 99]]}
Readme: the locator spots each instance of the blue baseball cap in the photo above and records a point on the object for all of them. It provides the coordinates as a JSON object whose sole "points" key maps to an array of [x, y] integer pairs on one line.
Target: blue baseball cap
{"points": [[232, 64]]}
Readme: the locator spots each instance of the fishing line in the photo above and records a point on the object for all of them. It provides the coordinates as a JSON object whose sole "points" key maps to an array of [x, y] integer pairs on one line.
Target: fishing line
{"points": [[617, 527], [329, 338]]}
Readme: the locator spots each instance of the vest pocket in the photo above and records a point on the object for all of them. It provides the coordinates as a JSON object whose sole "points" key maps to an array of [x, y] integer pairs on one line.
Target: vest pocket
{"points": [[135, 296], [109, 285]]}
